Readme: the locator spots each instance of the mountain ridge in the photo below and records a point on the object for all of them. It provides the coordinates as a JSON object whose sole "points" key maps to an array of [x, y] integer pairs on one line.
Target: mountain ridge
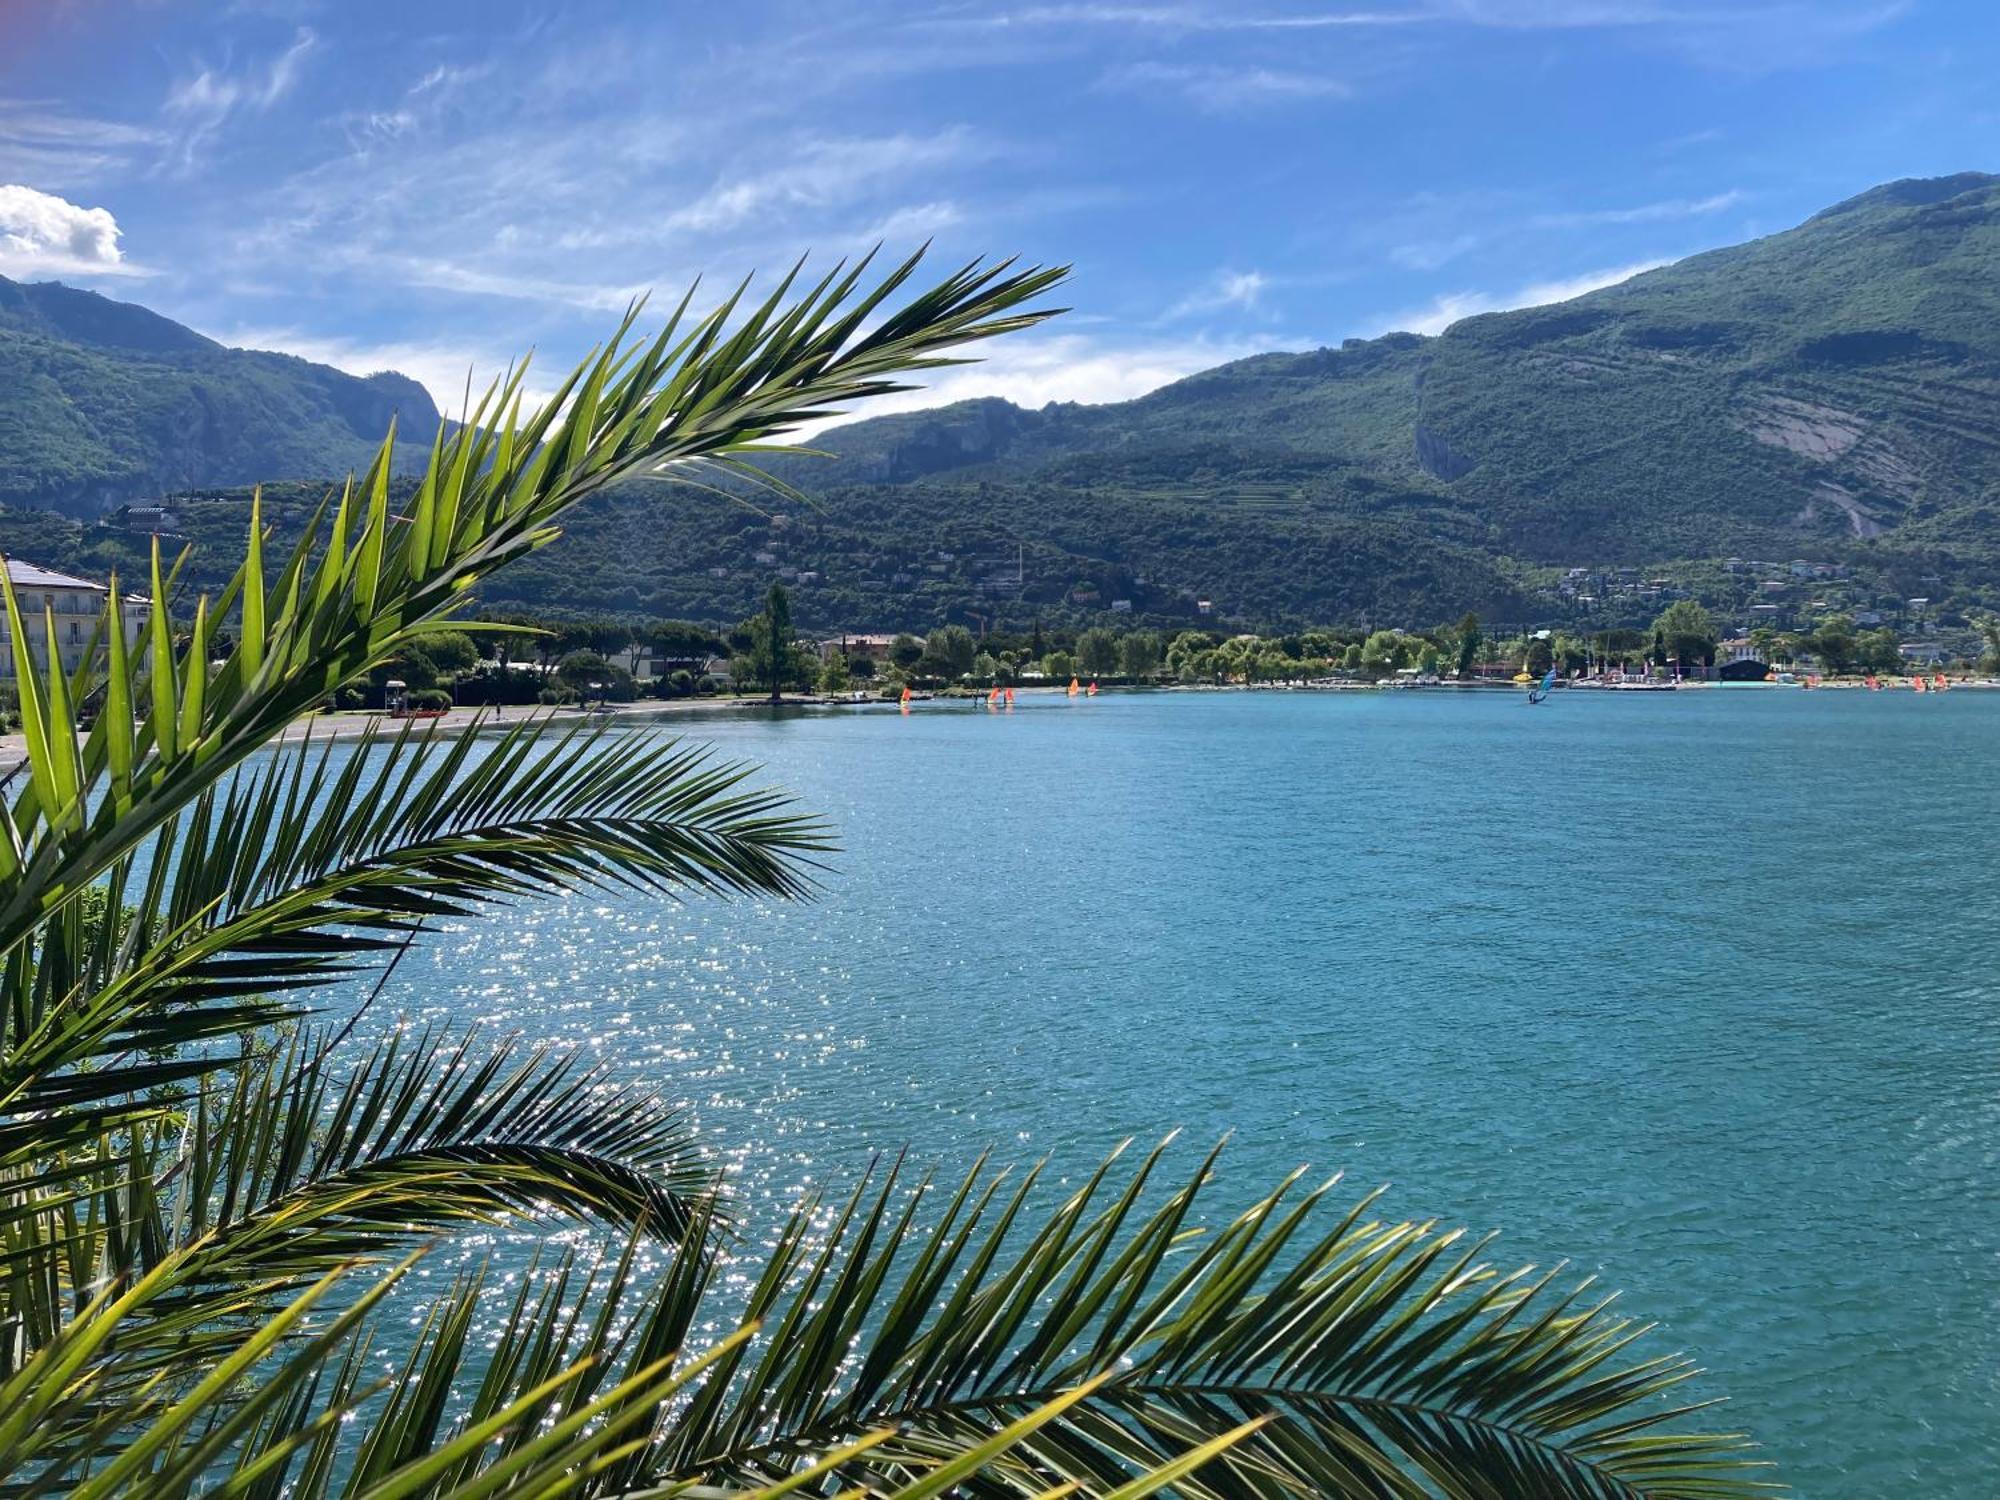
{"points": [[107, 402], [1827, 392]]}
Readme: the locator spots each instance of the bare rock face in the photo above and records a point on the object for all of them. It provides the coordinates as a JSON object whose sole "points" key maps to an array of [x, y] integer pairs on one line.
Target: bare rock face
{"points": [[1803, 427], [1437, 457]]}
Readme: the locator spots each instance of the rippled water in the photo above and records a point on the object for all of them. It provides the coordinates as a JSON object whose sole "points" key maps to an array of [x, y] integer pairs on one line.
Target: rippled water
{"points": [[1697, 990]]}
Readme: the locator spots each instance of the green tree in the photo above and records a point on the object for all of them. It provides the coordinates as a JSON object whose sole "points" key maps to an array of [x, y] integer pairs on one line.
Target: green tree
{"points": [[1989, 632], [773, 634], [1540, 656], [1097, 652], [1383, 653], [1059, 664], [1877, 651], [1834, 643], [1139, 655], [451, 651], [1687, 633], [834, 676], [1185, 647], [905, 652], [582, 668], [210, 1214], [954, 646], [1471, 641]]}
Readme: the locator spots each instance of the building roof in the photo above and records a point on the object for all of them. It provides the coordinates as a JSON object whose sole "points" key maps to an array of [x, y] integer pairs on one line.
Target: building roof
{"points": [[28, 576]]}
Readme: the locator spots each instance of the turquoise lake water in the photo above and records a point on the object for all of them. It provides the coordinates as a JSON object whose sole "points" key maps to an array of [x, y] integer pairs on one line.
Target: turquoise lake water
{"points": [[1700, 991]]}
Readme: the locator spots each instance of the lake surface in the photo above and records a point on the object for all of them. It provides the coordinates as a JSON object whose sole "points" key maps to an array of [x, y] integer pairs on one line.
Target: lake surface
{"points": [[1700, 991]]}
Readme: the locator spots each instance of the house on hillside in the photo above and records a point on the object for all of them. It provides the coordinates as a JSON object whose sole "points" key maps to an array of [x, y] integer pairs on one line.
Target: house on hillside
{"points": [[148, 518], [75, 605], [873, 645]]}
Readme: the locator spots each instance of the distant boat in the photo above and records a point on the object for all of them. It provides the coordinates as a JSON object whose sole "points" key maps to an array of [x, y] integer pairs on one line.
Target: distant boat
{"points": [[1092, 689], [1938, 684], [905, 699], [1010, 697], [1074, 687], [1537, 694]]}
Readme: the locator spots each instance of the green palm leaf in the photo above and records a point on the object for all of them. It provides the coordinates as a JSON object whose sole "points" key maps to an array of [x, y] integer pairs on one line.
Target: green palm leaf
{"points": [[1380, 1358]]}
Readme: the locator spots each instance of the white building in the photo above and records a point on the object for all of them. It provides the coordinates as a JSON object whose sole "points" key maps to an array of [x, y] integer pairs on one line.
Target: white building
{"points": [[75, 604]]}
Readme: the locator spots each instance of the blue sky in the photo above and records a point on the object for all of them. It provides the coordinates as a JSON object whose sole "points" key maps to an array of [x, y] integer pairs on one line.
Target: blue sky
{"points": [[434, 185]]}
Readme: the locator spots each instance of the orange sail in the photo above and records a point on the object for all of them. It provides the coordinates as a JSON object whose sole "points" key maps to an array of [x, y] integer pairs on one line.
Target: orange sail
{"points": [[1938, 684], [1093, 690], [1917, 684], [993, 697], [1010, 697], [1074, 688]]}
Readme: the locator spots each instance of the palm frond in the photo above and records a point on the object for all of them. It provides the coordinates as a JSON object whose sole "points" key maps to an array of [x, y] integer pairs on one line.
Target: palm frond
{"points": [[1380, 1358], [290, 875]]}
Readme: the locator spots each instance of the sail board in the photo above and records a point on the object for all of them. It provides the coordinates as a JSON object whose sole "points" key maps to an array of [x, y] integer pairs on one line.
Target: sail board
{"points": [[1537, 693]]}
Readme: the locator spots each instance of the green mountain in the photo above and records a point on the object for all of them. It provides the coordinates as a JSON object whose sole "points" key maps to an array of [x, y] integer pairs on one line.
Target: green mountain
{"points": [[1827, 393], [104, 402]]}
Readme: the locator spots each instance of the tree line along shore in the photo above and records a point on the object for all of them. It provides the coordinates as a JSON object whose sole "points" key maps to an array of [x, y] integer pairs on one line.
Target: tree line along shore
{"points": [[552, 662]]}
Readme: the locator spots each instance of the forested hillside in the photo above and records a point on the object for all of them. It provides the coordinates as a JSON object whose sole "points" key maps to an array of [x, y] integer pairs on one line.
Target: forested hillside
{"points": [[1830, 393]]}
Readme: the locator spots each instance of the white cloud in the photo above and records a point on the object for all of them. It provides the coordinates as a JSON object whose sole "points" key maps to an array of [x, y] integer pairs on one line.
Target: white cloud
{"points": [[199, 106], [40, 232], [440, 368], [1034, 369], [1450, 307], [1645, 213], [1226, 289], [1220, 88]]}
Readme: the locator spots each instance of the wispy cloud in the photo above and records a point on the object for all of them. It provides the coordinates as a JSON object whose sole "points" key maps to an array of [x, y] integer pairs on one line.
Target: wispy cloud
{"points": [[434, 92], [1431, 254], [1190, 18], [57, 148], [1221, 87], [1450, 307], [822, 172], [1226, 289], [200, 105], [1644, 213], [43, 234]]}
